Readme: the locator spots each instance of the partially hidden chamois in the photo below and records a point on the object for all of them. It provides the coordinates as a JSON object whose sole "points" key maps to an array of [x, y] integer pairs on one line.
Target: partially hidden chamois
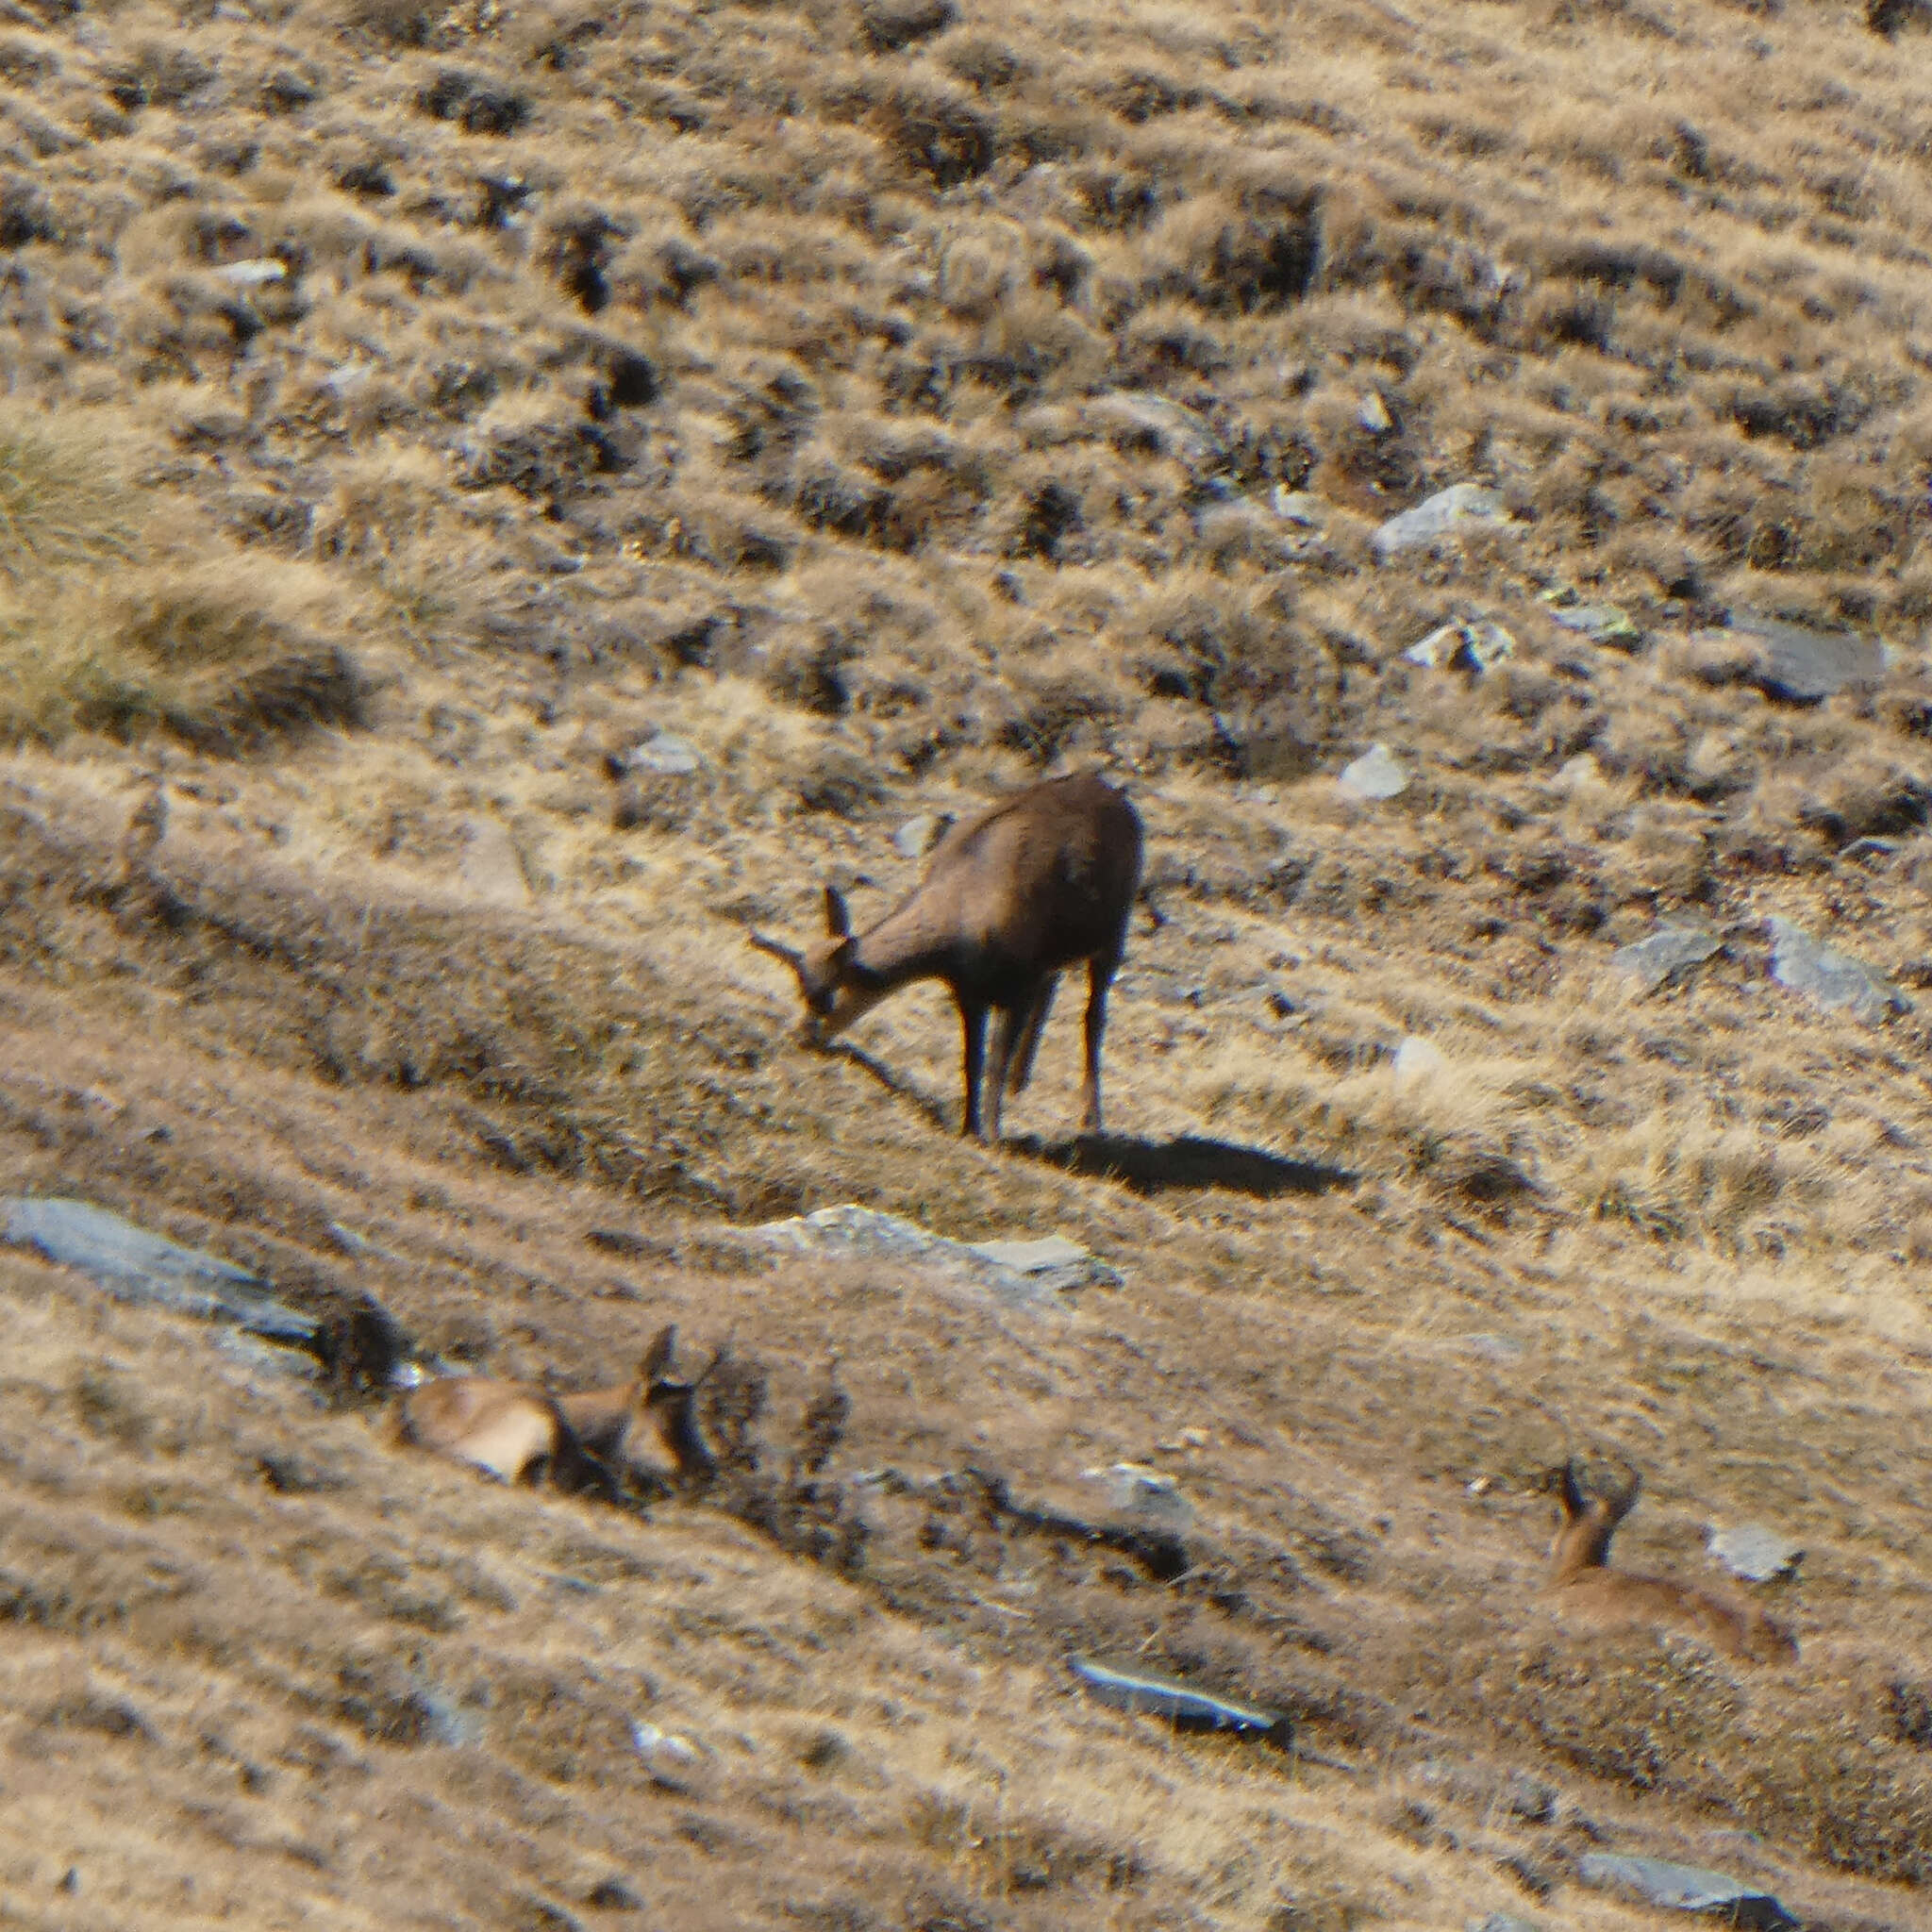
{"points": [[1042, 881], [1582, 1585], [646, 1427]]}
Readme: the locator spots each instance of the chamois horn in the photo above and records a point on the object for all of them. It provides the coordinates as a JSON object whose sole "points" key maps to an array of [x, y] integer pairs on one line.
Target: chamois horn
{"points": [[791, 956]]}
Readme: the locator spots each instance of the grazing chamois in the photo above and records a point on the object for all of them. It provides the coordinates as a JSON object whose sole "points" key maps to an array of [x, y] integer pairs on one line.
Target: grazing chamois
{"points": [[1582, 1585], [647, 1426], [1042, 881]]}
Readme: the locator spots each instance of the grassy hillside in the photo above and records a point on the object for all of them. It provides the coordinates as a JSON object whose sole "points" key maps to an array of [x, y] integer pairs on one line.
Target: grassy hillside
{"points": [[409, 414]]}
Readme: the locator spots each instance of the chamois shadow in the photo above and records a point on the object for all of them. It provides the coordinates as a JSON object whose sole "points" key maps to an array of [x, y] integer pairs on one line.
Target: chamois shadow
{"points": [[942, 1116], [1187, 1161], [1144, 1166]]}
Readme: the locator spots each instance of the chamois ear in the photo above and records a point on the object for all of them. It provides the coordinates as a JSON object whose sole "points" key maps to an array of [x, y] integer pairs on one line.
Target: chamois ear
{"points": [[657, 1361], [1570, 1493], [1621, 1504], [838, 920]]}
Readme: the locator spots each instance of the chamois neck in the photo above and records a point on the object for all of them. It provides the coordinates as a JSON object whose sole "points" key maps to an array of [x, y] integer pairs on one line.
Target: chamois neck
{"points": [[916, 942], [1583, 1544]]}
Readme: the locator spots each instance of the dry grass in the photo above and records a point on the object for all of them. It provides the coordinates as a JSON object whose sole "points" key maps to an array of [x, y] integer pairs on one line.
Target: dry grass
{"points": [[412, 410]]}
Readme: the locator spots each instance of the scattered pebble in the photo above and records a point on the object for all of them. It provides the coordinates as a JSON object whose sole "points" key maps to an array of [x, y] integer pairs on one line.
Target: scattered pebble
{"points": [[1754, 1552], [1135, 1490], [1376, 775], [1670, 950], [490, 869], [1449, 512], [1416, 1058], [1836, 980], [253, 274], [917, 837], [1473, 644], [1372, 414], [664, 755], [672, 1760], [1493, 1348], [1602, 623], [1298, 507]]}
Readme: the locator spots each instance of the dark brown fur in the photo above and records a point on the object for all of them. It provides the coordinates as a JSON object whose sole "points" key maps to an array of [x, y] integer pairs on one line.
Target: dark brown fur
{"points": [[1044, 881]]}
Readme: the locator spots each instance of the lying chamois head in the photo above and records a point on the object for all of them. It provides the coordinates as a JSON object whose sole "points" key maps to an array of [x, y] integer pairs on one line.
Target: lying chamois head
{"points": [[1581, 1584], [646, 1428]]}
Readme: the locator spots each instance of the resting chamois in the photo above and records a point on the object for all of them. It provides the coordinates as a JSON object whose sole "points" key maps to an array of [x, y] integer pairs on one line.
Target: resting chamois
{"points": [[1042, 881], [646, 1427], [1582, 1585]]}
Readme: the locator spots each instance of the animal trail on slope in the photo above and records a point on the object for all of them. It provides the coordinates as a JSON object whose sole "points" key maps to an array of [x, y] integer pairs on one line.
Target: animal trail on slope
{"points": [[1044, 881], [1582, 1586]]}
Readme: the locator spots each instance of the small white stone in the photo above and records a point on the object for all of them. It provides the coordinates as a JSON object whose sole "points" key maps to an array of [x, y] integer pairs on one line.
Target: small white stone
{"points": [[1416, 1058], [1376, 774]]}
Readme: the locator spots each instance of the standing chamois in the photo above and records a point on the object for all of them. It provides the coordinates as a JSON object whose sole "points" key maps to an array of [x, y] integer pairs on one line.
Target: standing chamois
{"points": [[1582, 1585], [1042, 881], [647, 1426]]}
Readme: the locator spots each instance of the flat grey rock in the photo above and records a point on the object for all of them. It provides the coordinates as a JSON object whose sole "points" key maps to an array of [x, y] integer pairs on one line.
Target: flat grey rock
{"points": [[1672, 949], [1685, 1888], [1052, 1258], [1376, 774], [1473, 644], [664, 755], [1054, 1267], [1806, 665], [1135, 1689], [1299, 507], [1451, 513], [1501, 1921], [133, 1265], [1754, 1552], [1602, 623], [1836, 980]]}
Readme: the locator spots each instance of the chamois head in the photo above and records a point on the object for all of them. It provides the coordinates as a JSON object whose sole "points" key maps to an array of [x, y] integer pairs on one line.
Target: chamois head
{"points": [[662, 1435], [834, 994], [1583, 1538]]}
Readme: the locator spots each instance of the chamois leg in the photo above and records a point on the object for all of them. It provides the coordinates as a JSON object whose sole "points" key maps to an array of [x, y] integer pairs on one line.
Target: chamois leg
{"points": [[1006, 1029], [1014, 1032], [972, 1032], [1022, 1070], [1100, 973]]}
